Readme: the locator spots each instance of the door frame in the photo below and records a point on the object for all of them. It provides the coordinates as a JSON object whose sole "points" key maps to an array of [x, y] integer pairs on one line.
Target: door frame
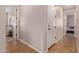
{"points": [[18, 22], [66, 13], [17, 18]]}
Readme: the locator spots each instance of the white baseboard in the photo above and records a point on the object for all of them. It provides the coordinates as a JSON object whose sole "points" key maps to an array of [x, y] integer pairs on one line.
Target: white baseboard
{"points": [[59, 38], [77, 45], [31, 46], [56, 41], [45, 51], [77, 48]]}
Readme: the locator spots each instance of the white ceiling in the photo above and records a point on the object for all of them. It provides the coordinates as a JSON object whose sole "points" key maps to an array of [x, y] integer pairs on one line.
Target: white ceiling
{"points": [[67, 7]]}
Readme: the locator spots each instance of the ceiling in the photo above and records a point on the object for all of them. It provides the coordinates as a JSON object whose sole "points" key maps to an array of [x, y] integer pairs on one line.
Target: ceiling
{"points": [[67, 7]]}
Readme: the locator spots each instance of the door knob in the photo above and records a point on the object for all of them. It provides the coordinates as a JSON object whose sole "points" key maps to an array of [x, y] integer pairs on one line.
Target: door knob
{"points": [[55, 26], [48, 25], [49, 28]]}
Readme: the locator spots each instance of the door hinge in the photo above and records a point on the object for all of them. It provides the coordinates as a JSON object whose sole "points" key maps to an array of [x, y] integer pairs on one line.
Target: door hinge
{"points": [[16, 17], [48, 25], [16, 26], [16, 9], [55, 26], [16, 35], [55, 37], [55, 16]]}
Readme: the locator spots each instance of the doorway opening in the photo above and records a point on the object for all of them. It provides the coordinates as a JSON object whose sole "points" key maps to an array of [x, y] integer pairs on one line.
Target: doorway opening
{"points": [[11, 23], [70, 24], [12, 27]]}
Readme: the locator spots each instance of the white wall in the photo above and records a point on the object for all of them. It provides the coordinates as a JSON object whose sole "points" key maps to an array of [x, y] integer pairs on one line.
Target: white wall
{"points": [[33, 26], [77, 27], [2, 29]]}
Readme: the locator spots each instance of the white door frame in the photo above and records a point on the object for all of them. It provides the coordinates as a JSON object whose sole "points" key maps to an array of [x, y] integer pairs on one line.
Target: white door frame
{"points": [[66, 13]]}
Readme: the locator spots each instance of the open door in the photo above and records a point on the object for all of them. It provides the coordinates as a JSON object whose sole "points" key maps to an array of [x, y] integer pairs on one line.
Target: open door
{"points": [[12, 25]]}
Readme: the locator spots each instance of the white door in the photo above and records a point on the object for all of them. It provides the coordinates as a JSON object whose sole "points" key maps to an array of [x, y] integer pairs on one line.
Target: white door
{"points": [[2, 29], [51, 26], [59, 23], [55, 25]]}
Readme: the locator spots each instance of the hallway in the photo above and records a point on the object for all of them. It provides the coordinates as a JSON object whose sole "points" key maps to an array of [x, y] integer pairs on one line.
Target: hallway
{"points": [[66, 45], [39, 27]]}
